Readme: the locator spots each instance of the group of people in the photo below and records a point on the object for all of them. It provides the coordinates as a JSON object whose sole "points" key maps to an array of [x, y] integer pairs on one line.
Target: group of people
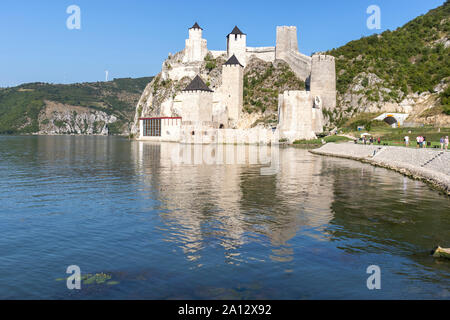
{"points": [[371, 140], [422, 142]]}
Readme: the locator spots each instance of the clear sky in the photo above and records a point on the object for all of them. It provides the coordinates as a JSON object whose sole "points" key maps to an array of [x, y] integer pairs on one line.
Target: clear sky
{"points": [[131, 38]]}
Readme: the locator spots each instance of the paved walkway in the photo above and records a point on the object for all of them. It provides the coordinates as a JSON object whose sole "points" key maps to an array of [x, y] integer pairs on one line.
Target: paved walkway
{"points": [[432, 165]]}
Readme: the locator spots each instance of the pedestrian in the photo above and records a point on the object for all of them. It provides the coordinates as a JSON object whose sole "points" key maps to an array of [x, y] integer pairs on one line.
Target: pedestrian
{"points": [[407, 141], [418, 141], [446, 143], [424, 142], [379, 140], [442, 141]]}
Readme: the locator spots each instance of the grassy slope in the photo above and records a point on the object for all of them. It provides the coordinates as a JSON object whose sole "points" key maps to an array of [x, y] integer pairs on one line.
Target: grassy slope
{"points": [[20, 106], [264, 81], [392, 136]]}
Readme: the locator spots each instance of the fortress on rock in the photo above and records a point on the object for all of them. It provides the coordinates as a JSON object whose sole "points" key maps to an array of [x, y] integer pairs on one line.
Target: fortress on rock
{"points": [[198, 114]]}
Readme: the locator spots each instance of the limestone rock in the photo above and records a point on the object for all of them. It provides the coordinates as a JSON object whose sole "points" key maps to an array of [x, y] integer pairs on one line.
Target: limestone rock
{"points": [[58, 118]]}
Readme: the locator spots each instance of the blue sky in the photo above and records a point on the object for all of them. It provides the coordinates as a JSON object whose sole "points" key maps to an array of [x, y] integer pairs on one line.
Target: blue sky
{"points": [[132, 38]]}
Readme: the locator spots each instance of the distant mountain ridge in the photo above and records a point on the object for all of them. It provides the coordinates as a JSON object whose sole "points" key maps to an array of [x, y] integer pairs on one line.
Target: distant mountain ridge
{"points": [[81, 108]]}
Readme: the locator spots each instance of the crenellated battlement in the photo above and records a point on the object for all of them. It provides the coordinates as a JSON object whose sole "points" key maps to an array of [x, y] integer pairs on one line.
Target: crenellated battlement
{"points": [[196, 92], [296, 93], [322, 57]]}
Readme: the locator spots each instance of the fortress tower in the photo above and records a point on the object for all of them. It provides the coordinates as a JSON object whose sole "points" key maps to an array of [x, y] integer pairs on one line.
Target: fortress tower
{"points": [[233, 87], [323, 80], [237, 45], [296, 116], [286, 41], [287, 50], [196, 102], [196, 47]]}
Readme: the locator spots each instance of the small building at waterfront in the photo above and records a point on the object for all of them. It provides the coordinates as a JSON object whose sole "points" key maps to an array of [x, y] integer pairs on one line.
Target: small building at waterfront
{"points": [[161, 129]]}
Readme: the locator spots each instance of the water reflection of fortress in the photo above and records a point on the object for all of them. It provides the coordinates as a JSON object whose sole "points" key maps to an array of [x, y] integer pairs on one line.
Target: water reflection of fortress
{"points": [[235, 199]]}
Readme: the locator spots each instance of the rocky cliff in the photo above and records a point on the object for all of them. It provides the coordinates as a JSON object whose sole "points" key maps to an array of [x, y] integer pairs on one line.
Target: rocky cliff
{"points": [[58, 118], [83, 108]]}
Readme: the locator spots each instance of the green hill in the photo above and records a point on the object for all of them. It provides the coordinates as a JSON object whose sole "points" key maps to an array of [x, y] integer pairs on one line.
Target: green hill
{"points": [[412, 59], [20, 106]]}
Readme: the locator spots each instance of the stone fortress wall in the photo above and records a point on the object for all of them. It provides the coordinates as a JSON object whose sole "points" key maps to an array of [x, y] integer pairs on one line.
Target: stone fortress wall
{"points": [[195, 105], [323, 80], [292, 115], [264, 53], [287, 50]]}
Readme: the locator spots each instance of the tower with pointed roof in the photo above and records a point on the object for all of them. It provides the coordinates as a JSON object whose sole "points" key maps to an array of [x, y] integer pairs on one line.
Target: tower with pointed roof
{"points": [[233, 88], [196, 47], [237, 45], [196, 102]]}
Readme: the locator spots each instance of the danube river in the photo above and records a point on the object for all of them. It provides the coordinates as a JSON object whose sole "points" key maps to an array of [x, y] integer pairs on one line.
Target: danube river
{"points": [[164, 221]]}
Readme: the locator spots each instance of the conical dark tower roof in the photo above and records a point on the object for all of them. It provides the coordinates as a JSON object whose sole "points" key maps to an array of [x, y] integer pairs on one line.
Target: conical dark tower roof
{"points": [[197, 85], [233, 61], [236, 31], [196, 26]]}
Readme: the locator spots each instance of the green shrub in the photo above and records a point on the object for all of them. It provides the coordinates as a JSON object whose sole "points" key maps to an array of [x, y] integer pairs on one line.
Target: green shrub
{"points": [[210, 65], [447, 109], [115, 128], [445, 100], [59, 123]]}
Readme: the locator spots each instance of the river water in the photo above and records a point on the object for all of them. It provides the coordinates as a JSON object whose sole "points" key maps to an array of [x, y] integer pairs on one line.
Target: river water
{"points": [[163, 223]]}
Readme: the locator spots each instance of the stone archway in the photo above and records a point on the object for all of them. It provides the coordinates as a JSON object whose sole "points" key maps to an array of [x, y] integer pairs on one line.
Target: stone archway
{"points": [[390, 120]]}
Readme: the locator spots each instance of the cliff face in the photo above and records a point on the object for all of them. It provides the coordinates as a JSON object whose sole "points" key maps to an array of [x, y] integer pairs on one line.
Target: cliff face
{"points": [[58, 118], [370, 94]]}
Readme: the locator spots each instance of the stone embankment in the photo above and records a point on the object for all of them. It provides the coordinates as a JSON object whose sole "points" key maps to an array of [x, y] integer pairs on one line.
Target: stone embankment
{"points": [[430, 165]]}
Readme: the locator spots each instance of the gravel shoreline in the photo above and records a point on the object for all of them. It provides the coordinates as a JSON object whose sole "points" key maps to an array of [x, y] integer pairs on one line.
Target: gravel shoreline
{"points": [[429, 165]]}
